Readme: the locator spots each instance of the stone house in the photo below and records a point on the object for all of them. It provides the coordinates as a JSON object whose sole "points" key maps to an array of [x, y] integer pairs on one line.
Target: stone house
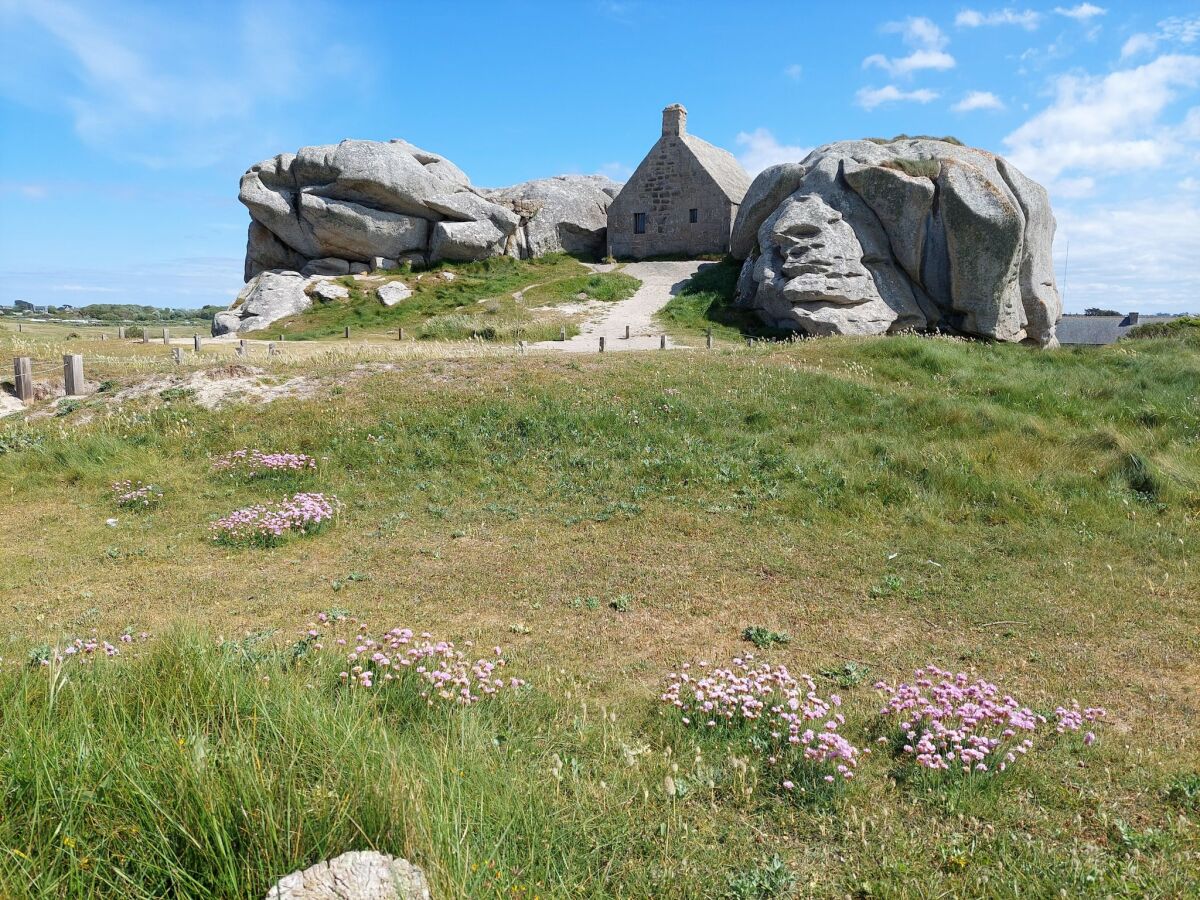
{"points": [[681, 200]]}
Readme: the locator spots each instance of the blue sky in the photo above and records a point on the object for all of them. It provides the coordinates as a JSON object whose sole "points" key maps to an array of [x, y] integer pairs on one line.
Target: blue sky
{"points": [[125, 127]]}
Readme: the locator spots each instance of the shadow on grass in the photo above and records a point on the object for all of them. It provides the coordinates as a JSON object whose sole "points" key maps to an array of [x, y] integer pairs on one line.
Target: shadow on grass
{"points": [[706, 301]]}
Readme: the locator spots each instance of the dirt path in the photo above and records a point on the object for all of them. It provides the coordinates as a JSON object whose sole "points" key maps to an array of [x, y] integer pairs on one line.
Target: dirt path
{"points": [[660, 282]]}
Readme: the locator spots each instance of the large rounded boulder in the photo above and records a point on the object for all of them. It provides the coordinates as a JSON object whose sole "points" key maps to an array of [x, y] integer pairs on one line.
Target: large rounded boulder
{"points": [[867, 237], [358, 201]]}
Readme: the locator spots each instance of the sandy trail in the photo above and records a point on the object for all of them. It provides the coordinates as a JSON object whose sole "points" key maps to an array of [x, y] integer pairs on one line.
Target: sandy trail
{"points": [[660, 282]]}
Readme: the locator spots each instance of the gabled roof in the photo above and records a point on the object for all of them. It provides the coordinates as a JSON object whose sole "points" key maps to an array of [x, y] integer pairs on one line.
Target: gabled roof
{"points": [[722, 165]]}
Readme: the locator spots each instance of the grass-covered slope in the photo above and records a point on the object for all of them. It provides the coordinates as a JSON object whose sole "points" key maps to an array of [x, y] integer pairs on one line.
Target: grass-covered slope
{"points": [[477, 303], [1030, 517]]}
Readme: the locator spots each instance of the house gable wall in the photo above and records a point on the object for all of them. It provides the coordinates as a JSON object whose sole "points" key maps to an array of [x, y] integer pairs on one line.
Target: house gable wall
{"points": [[668, 184]]}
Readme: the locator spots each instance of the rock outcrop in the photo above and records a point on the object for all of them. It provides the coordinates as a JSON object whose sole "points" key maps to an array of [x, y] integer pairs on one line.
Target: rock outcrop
{"points": [[868, 238], [568, 213], [357, 875], [266, 298], [333, 208]]}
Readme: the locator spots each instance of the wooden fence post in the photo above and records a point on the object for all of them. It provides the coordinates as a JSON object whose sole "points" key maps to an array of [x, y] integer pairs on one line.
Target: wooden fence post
{"points": [[120, 332], [400, 334], [708, 338], [601, 343], [20, 327], [73, 374], [662, 342], [562, 333], [242, 346], [145, 335], [271, 348], [521, 346], [626, 332], [166, 336], [23, 378], [177, 354], [347, 331], [196, 342]]}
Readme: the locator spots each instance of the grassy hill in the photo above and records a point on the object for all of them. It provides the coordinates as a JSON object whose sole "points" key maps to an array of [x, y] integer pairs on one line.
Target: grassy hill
{"points": [[477, 303], [859, 507]]}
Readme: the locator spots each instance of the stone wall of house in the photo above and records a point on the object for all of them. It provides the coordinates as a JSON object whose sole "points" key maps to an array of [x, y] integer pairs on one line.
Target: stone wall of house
{"points": [[668, 184]]}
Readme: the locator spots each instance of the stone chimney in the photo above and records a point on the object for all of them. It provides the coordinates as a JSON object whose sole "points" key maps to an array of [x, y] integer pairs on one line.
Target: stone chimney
{"points": [[1132, 318], [674, 120]]}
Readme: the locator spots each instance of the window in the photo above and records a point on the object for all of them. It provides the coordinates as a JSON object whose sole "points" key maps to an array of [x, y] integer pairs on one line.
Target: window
{"points": [[693, 216], [639, 223]]}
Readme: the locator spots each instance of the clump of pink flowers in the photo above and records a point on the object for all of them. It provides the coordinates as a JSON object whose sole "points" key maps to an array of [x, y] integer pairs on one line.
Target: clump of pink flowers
{"points": [[441, 671], [782, 714], [262, 525], [84, 650], [251, 463], [951, 722], [135, 494]]}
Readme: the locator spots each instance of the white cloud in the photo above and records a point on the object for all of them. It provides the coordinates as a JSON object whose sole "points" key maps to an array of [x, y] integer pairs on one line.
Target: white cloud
{"points": [[869, 98], [1131, 256], [1177, 28], [617, 171], [971, 18], [162, 92], [927, 41], [83, 289], [1106, 124], [1082, 12], [794, 71], [906, 65], [1189, 184], [1072, 188], [1138, 44], [760, 148], [978, 100], [918, 31]]}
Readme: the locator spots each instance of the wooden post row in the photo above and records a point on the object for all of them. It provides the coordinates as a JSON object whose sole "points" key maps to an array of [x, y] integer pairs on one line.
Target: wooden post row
{"points": [[73, 374], [23, 378]]}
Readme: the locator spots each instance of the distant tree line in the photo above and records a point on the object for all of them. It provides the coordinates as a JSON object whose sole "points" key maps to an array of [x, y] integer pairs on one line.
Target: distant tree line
{"points": [[1096, 311], [131, 312]]}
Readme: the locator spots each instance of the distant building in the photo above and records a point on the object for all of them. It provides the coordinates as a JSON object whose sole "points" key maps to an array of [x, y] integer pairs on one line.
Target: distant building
{"points": [[1096, 330], [681, 200], [23, 305]]}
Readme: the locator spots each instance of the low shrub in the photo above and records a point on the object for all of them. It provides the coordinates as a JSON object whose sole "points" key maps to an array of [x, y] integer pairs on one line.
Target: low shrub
{"points": [[135, 495], [266, 526], [763, 638], [399, 657], [947, 722], [251, 463], [792, 729]]}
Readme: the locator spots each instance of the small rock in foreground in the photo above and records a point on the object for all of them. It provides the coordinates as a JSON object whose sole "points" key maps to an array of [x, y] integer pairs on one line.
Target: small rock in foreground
{"points": [[357, 875]]}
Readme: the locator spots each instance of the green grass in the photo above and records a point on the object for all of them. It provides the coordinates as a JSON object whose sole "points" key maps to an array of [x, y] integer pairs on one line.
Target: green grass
{"points": [[608, 286], [1183, 327], [706, 301], [1027, 516], [478, 303]]}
